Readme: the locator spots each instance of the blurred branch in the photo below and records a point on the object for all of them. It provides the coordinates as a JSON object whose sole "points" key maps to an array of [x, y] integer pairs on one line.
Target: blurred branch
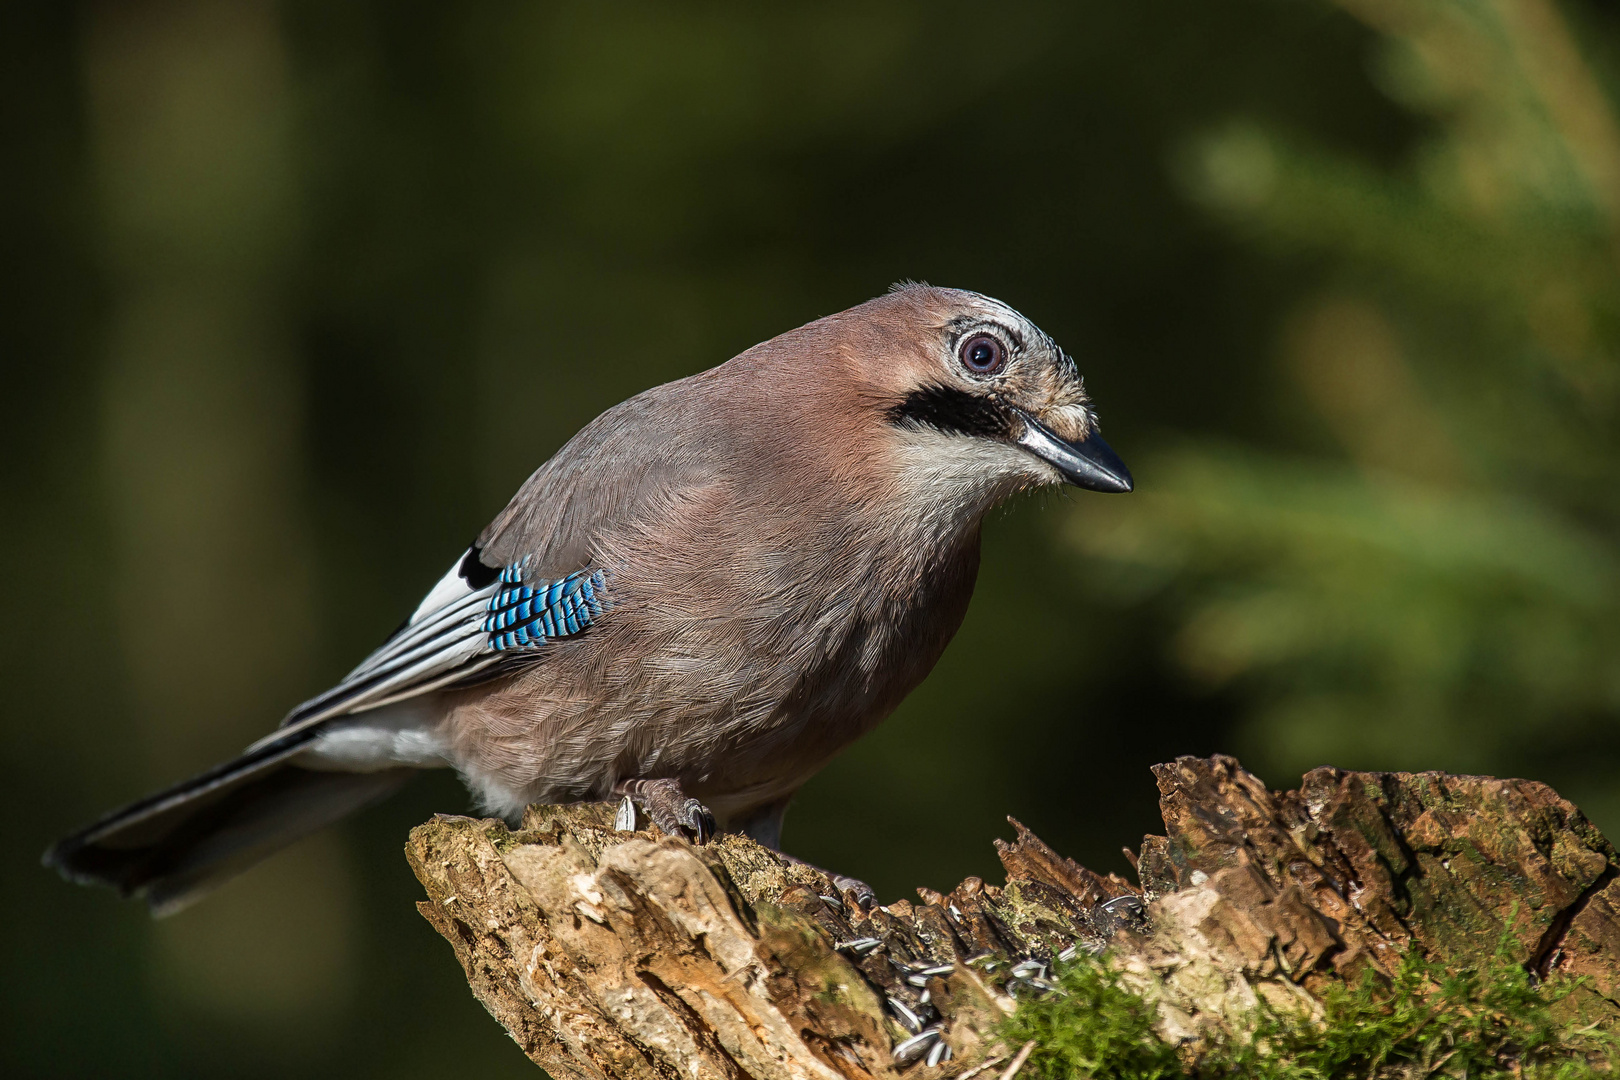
{"points": [[1565, 84], [608, 954], [1452, 596], [1506, 74]]}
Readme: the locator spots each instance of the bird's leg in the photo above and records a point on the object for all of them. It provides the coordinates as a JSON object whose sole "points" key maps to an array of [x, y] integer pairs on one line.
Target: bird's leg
{"points": [[863, 894], [765, 826], [670, 808]]}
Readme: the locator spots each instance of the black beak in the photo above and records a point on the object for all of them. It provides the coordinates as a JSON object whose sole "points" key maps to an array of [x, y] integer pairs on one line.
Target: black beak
{"points": [[1089, 463]]}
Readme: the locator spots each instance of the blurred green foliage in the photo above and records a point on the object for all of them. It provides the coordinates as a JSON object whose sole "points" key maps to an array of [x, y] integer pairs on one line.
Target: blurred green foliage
{"points": [[297, 293], [1430, 573]]}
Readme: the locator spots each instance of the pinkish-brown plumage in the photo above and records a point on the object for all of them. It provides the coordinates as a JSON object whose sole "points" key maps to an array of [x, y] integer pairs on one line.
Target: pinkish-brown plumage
{"points": [[785, 545]]}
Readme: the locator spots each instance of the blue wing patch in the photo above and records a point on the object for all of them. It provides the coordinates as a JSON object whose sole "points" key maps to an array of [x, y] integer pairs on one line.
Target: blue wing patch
{"points": [[470, 622], [524, 617]]}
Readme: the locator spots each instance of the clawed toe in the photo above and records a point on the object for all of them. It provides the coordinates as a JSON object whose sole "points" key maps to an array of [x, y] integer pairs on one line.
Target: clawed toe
{"points": [[862, 893], [854, 890], [696, 819], [669, 807], [678, 814]]}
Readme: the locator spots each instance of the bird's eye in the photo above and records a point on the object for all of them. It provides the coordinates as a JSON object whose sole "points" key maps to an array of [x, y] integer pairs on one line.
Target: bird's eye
{"points": [[982, 354]]}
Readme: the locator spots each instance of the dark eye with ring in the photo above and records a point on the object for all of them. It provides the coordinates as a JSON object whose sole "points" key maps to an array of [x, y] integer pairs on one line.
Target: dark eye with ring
{"points": [[982, 354]]}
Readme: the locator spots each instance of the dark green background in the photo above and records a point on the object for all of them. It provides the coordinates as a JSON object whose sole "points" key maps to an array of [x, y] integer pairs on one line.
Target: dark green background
{"points": [[294, 296]]}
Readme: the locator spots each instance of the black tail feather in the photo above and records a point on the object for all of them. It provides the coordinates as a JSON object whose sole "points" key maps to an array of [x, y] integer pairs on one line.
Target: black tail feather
{"points": [[172, 847]]}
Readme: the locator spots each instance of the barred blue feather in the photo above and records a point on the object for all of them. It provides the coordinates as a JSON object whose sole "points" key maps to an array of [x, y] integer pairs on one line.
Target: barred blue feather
{"points": [[469, 622], [521, 616]]}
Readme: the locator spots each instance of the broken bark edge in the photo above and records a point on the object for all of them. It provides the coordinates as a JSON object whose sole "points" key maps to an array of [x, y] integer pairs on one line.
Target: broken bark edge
{"points": [[637, 955]]}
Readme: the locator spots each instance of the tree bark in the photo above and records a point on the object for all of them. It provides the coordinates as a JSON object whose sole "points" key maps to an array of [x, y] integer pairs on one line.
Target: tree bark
{"points": [[637, 955]]}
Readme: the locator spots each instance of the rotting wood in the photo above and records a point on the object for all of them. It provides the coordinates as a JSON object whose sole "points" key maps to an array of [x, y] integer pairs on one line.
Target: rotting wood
{"points": [[636, 955]]}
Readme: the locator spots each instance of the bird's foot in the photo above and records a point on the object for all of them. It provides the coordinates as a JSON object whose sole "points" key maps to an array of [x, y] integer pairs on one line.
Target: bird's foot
{"points": [[669, 807], [862, 895]]}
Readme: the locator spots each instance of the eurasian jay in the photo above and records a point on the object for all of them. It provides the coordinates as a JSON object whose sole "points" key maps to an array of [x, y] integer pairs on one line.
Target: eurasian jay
{"points": [[707, 593]]}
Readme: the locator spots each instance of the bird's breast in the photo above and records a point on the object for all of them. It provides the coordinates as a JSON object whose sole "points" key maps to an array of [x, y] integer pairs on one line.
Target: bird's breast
{"points": [[829, 657], [738, 654]]}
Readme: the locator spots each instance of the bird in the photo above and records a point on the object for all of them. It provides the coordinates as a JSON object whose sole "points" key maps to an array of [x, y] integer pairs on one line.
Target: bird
{"points": [[693, 606]]}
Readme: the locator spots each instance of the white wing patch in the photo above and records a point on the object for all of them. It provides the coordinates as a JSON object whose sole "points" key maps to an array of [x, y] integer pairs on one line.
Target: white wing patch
{"points": [[471, 619]]}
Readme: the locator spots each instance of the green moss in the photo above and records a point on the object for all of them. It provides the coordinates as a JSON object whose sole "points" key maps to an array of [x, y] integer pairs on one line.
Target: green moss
{"points": [[1488, 1022], [1092, 1026]]}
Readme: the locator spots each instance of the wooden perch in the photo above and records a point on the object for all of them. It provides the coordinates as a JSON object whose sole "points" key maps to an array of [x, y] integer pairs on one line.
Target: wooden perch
{"points": [[636, 955]]}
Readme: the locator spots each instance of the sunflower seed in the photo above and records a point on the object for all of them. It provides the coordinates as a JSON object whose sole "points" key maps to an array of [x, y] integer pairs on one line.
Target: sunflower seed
{"points": [[908, 1019], [859, 946], [920, 976], [625, 819], [914, 1046], [1129, 902], [937, 1052]]}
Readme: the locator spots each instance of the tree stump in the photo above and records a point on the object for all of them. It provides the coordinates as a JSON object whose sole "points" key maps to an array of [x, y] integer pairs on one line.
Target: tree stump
{"points": [[638, 955]]}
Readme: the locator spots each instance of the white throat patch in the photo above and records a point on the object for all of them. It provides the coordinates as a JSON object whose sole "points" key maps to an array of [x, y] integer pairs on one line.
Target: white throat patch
{"points": [[949, 481]]}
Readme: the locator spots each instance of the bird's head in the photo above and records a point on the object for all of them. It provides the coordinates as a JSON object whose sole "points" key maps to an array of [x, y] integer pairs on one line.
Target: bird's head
{"points": [[977, 398]]}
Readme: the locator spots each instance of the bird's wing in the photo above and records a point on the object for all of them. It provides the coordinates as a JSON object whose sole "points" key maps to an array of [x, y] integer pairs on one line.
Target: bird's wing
{"points": [[532, 575], [474, 618], [620, 473]]}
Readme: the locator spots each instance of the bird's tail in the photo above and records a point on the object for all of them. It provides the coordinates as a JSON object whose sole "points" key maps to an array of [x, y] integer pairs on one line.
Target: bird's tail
{"points": [[176, 845]]}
